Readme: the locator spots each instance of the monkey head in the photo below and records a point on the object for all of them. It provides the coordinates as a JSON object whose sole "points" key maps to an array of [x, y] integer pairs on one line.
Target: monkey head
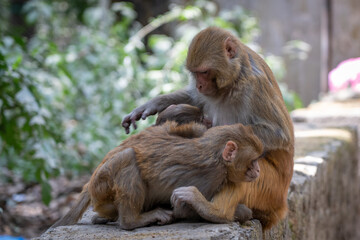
{"points": [[242, 162], [241, 154], [213, 61]]}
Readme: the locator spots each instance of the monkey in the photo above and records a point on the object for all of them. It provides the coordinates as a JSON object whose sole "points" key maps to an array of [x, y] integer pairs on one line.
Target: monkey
{"points": [[182, 113], [232, 84], [155, 166]]}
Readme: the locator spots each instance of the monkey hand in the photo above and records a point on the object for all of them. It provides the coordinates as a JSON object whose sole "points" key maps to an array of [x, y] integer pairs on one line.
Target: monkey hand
{"points": [[140, 112], [243, 213], [185, 195]]}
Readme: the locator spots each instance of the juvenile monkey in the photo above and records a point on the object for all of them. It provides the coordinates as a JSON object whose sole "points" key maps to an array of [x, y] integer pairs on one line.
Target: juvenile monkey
{"points": [[157, 166], [232, 84]]}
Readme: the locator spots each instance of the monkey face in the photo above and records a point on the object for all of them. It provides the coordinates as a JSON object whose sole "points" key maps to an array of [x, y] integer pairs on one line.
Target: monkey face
{"points": [[247, 171], [205, 81], [252, 172]]}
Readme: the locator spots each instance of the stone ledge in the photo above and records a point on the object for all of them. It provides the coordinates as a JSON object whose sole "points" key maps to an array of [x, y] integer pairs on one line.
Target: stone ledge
{"points": [[327, 113], [199, 230], [325, 162]]}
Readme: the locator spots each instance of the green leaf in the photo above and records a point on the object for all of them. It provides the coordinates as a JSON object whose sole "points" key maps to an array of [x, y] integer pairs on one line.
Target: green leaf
{"points": [[17, 62], [46, 192]]}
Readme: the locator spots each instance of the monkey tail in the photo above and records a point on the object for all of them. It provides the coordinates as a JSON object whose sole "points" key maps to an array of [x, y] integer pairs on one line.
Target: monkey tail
{"points": [[77, 211]]}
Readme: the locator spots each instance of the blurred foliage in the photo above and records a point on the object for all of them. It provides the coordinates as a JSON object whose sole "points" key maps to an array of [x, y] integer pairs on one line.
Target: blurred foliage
{"points": [[297, 49], [65, 90]]}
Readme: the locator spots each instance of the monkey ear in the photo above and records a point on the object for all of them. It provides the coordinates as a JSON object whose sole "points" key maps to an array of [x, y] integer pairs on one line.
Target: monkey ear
{"points": [[230, 151], [230, 48]]}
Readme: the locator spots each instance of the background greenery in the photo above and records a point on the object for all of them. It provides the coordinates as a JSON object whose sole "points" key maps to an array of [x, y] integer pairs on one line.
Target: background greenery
{"points": [[65, 88]]}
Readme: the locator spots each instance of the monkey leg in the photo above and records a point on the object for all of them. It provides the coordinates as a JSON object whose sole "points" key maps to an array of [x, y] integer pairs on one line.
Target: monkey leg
{"points": [[128, 194], [102, 199], [117, 181], [106, 213], [131, 218]]}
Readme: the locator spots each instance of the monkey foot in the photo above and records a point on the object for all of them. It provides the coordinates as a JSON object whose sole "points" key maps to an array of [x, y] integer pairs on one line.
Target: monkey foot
{"points": [[99, 220]]}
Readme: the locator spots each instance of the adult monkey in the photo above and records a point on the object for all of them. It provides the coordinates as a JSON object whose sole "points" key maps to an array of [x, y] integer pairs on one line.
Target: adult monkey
{"points": [[233, 84]]}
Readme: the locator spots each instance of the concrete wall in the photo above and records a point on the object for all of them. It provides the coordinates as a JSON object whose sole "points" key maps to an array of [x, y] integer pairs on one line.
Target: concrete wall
{"points": [[345, 35], [331, 27]]}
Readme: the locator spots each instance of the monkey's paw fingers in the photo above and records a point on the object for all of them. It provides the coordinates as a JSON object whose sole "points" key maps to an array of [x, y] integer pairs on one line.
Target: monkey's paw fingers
{"points": [[184, 195], [139, 112], [164, 216], [148, 112], [131, 119]]}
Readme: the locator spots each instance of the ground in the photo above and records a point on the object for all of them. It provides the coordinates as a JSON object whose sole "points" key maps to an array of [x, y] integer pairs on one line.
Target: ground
{"points": [[22, 212]]}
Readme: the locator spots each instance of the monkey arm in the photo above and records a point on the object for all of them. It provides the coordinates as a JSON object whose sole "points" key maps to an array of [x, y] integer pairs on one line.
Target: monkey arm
{"points": [[268, 115], [209, 211], [271, 123], [273, 136], [156, 105]]}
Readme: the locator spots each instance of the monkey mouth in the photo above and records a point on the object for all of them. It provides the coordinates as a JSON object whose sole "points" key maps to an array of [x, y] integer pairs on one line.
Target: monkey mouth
{"points": [[208, 93], [250, 177]]}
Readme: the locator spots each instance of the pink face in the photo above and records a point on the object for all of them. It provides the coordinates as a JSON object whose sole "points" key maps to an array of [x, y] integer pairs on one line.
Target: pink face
{"points": [[253, 171], [205, 82]]}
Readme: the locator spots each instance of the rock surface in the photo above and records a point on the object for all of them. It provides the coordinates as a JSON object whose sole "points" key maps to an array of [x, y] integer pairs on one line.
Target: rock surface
{"points": [[173, 231], [323, 195]]}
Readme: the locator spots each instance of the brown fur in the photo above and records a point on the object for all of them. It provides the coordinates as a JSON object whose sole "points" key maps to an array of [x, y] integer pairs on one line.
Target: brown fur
{"points": [[157, 164], [181, 113], [232, 84]]}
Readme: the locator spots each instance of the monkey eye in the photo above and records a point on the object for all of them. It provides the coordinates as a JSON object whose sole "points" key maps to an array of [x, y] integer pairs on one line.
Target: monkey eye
{"points": [[202, 71], [205, 72]]}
